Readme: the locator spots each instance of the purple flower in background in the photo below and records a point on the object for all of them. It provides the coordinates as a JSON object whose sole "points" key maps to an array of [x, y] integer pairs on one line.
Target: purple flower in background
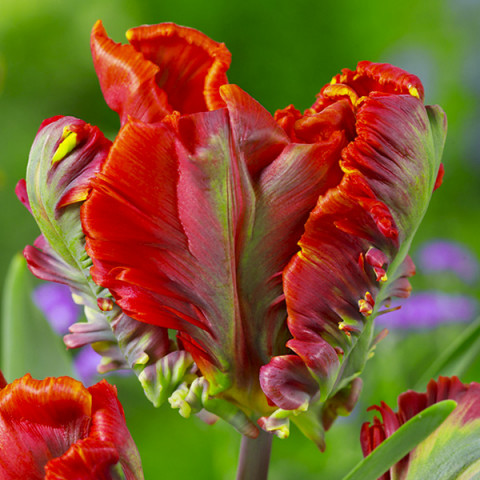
{"points": [[55, 302], [442, 255], [430, 309], [85, 363]]}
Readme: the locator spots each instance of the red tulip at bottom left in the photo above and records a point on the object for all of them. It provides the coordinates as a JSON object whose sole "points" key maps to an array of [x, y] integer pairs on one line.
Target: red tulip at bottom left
{"points": [[57, 429]]}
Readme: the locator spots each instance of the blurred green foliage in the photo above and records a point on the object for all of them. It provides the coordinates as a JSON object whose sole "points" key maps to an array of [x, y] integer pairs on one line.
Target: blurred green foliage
{"points": [[283, 52]]}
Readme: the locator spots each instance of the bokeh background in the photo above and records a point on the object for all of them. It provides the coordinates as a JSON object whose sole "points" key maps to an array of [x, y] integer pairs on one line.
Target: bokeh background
{"points": [[283, 52]]}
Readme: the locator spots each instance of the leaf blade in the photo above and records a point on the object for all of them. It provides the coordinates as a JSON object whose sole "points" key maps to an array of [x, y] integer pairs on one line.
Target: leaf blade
{"points": [[404, 440]]}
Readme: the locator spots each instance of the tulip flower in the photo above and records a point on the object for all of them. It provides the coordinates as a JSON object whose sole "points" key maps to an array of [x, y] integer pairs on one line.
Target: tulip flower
{"points": [[234, 259], [56, 429], [452, 451]]}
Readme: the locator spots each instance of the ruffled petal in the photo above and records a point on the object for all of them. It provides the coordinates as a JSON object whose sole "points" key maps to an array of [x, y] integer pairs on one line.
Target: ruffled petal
{"points": [[57, 429], [39, 420], [166, 68], [88, 459], [127, 79], [108, 425], [189, 283], [353, 253], [192, 66]]}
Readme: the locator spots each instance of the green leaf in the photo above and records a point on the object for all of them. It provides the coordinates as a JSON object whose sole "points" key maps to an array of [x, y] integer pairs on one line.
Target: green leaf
{"points": [[403, 441], [457, 358], [28, 344]]}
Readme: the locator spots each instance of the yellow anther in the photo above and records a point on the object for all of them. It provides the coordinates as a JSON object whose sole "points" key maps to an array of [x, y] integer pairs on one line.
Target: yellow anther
{"points": [[68, 143], [413, 92]]}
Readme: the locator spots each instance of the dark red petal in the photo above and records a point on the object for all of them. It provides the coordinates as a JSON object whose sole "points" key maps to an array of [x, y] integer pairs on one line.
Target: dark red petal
{"points": [[127, 79], [191, 66], [288, 382], [389, 170]]}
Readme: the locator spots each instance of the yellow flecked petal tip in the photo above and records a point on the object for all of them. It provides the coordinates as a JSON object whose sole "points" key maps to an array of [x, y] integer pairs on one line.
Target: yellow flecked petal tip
{"points": [[340, 90], [105, 304], [413, 92], [333, 81], [302, 408], [143, 360], [77, 299], [68, 143], [129, 34], [282, 432], [177, 400]]}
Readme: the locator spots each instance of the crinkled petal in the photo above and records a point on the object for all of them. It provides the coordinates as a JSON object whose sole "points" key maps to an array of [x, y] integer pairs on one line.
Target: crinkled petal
{"points": [[88, 459], [39, 420], [192, 66], [127, 79], [166, 68], [352, 254], [108, 425]]}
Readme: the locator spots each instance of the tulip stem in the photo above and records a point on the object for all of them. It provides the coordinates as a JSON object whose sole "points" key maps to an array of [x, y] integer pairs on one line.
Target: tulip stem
{"points": [[254, 457]]}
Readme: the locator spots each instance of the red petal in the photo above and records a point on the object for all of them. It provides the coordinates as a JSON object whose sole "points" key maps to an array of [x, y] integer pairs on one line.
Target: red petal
{"points": [[39, 420], [21, 192], [192, 67], [368, 78], [127, 79], [439, 180], [108, 425], [88, 459], [257, 136]]}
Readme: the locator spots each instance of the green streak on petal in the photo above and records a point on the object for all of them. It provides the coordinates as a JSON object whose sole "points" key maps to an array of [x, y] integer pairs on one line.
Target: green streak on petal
{"points": [[68, 143]]}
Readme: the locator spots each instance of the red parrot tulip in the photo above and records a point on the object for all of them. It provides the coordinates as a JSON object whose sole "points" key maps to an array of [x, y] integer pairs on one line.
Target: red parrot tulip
{"points": [[56, 429], [266, 244]]}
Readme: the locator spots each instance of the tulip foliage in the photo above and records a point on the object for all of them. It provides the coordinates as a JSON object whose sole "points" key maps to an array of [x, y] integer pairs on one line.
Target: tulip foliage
{"points": [[234, 259]]}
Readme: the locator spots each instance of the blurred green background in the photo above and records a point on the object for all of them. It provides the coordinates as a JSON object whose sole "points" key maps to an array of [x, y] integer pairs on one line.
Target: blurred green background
{"points": [[283, 52]]}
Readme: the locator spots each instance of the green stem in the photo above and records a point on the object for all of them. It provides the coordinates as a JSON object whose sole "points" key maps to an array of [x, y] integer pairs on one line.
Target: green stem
{"points": [[254, 457]]}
